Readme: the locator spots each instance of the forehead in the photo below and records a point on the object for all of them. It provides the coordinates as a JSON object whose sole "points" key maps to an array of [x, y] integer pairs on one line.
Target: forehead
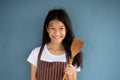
{"points": [[55, 23]]}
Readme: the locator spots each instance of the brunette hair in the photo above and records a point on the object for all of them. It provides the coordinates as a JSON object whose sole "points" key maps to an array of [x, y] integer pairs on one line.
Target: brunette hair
{"points": [[61, 15]]}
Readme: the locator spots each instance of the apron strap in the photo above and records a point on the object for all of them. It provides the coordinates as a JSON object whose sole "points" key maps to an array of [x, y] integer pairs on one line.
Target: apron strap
{"points": [[39, 55]]}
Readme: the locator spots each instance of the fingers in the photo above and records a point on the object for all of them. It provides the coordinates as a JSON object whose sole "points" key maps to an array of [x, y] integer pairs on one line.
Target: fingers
{"points": [[70, 70]]}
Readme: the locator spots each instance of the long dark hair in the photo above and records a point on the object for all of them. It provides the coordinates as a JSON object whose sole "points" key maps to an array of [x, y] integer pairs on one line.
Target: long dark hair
{"points": [[61, 15]]}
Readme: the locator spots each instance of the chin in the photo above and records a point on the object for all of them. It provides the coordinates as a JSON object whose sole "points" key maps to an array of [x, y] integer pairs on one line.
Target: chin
{"points": [[58, 42]]}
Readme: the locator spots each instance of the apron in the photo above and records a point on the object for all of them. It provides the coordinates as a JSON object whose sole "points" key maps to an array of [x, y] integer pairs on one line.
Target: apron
{"points": [[50, 70]]}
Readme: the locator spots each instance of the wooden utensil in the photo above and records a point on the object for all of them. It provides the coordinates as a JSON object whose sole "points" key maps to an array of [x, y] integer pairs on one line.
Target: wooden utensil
{"points": [[75, 49]]}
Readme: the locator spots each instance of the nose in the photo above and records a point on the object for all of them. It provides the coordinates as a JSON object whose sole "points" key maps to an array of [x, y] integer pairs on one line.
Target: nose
{"points": [[57, 32]]}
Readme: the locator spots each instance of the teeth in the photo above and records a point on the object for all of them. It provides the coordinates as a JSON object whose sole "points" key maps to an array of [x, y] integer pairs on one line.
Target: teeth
{"points": [[56, 37]]}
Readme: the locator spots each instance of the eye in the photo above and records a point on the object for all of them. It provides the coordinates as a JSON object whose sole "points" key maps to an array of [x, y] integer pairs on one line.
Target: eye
{"points": [[62, 28], [51, 27]]}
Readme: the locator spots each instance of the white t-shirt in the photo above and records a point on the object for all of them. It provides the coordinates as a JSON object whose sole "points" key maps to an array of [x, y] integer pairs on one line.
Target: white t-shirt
{"points": [[46, 56]]}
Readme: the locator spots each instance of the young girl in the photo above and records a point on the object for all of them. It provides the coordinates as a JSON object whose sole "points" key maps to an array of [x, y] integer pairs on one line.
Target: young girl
{"points": [[50, 60]]}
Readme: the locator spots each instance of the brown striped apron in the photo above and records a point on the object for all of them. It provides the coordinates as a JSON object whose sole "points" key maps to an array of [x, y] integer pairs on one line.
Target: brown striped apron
{"points": [[50, 70]]}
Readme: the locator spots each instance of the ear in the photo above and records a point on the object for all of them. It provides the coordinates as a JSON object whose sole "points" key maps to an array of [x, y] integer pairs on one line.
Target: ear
{"points": [[47, 29]]}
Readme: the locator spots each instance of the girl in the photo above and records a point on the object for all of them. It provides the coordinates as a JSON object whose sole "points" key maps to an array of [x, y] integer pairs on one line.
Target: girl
{"points": [[50, 61]]}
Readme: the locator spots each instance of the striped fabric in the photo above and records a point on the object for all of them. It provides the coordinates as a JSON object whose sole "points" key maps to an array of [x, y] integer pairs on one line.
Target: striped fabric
{"points": [[50, 70]]}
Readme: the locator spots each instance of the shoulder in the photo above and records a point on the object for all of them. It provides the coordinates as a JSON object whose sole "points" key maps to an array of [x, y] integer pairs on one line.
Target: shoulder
{"points": [[32, 58], [36, 50]]}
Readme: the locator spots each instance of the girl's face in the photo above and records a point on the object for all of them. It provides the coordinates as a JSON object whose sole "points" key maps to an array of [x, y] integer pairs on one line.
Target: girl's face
{"points": [[57, 31]]}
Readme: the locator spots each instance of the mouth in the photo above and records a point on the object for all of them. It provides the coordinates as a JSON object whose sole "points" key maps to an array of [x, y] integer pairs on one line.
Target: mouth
{"points": [[56, 37]]}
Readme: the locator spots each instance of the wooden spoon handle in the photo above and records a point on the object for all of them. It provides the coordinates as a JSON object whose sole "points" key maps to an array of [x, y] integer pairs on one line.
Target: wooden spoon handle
{"points": [[65, 75]]}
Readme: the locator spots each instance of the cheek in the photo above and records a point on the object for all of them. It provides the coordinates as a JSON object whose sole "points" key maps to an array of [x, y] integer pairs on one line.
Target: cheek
{"points": [[50, 33], [64, 33]]}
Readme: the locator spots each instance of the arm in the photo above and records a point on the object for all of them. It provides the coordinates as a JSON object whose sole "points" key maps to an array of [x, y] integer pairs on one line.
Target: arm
{"points": [[33, 72]]}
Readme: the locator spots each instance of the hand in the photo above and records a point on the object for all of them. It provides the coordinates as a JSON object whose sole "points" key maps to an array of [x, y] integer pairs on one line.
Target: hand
{"points": [[70, 71]]}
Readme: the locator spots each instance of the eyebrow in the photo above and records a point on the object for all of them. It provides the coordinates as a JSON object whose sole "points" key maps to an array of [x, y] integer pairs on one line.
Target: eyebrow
{"points": [[54, 26]]}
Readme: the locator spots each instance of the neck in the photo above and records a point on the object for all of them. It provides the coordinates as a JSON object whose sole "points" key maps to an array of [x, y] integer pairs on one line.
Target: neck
{"points": [[55, 46], [56, 49]]}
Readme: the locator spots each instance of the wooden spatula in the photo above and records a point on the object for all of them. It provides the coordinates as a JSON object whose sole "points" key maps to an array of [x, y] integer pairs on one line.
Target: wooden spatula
{"points": [[75, 49]]}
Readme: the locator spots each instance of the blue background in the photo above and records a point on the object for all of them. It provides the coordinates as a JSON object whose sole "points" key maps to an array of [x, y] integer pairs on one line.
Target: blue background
{"points": [[96, 22]]}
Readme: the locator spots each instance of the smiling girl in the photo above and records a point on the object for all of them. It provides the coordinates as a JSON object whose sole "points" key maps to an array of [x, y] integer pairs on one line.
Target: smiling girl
{"points": [[50, 60]]}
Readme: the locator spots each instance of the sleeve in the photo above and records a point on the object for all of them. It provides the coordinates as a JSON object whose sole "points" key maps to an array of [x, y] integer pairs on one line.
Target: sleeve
{"points": [[78, 69], [32, 58]]}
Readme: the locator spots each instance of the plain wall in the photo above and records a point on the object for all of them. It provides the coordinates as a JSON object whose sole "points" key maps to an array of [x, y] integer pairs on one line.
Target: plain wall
{"points": [[96, 22]]}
